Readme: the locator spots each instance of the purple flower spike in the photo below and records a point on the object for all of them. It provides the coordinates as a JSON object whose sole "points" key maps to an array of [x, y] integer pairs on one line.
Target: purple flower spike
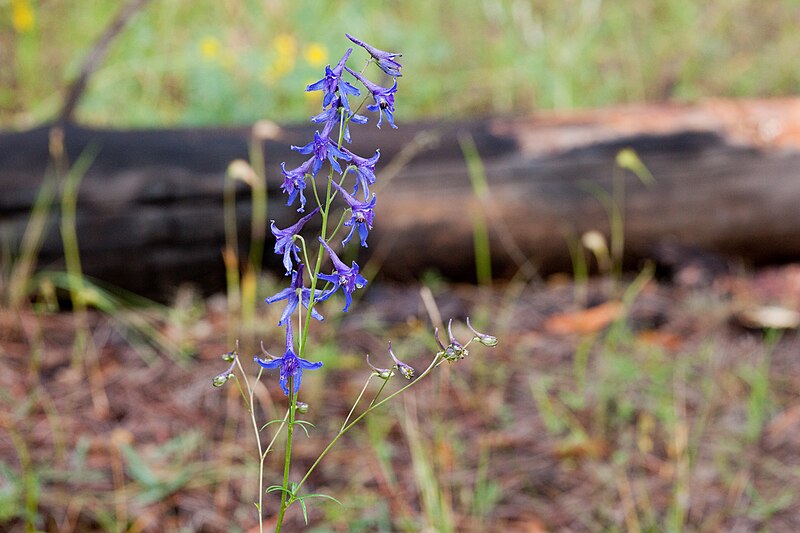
{"points": [[361, 218], [365, 168], [290, 365], [385, 59], [342, 276], [294, 182], [284, 243], [332, 84], [290, 294], [384, 97]]}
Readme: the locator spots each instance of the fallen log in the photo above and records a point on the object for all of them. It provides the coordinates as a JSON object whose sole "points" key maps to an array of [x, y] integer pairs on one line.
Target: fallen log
{"points": [[150, 210]]}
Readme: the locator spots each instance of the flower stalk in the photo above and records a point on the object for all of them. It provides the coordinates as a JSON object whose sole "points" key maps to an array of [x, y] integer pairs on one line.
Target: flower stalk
{"points": [[343, 171]]}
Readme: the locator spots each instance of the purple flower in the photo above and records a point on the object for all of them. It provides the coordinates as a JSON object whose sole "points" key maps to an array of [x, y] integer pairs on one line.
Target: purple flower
{"points": [[365, 168], [361, 217], [385, 59], [332, 84], [323, 148], [384, 97], [291, 366], [335, 113], [294, 181], [342, 276], [284, 240], [290, 294]]}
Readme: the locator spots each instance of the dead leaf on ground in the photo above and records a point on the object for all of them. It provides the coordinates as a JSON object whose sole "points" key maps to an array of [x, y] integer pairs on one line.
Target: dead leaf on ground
{"points": [[589, 320]]}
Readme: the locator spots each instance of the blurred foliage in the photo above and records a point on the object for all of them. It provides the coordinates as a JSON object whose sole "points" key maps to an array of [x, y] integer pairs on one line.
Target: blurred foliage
{"points": [[235, 61]]}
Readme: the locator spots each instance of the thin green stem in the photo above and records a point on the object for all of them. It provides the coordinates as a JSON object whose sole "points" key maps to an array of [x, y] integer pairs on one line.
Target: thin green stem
{"points": [[371, 408], [358, 400], [261, 454], [378, 394], [285, 500]]}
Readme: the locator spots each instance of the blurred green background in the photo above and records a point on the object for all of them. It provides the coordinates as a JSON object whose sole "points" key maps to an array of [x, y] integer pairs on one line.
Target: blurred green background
{"points": [[202, 62]]}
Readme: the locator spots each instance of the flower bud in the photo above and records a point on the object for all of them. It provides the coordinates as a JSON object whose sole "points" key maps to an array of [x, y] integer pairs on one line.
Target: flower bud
{"points": [[302, 407], [229, 357]]}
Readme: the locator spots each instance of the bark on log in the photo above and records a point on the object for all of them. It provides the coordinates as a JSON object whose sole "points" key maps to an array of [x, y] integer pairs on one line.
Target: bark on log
{"points": [[150, 207]]}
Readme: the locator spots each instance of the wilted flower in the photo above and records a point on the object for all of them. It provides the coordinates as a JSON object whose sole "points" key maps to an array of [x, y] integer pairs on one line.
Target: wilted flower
{"points": [[229, 357], [221, 379], [385, 59], [454, 350], [284, 240], [342, 276], [486, 340], [290, 294], [361, 217], [383, 373], [406, 370], [291, 366]]}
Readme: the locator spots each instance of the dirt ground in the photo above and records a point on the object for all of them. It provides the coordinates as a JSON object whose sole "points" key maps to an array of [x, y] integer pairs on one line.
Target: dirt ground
{"points": [[660, 404]]}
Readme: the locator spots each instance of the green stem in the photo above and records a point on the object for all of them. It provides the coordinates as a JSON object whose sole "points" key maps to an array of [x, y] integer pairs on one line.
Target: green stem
{"points": [[304, 327], [261, 454], [372, 407], [285, 500]]}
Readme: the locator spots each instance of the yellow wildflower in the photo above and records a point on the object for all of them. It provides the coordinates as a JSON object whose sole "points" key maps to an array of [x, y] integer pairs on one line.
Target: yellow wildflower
{"points": [[210, 48], [316, 55], [22, 16], [285, 45]]}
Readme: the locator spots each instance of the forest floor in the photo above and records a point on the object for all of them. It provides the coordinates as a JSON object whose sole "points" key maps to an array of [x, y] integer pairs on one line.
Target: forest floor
{"points": [[657, 404]]}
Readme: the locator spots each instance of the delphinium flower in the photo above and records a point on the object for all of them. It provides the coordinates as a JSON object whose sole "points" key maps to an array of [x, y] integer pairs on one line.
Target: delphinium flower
{"points": [[342, 276], [284, 240], [333, 85], [361, 215], [385, 59], [323, 148], [336, 114], [290, 365], [365, 171], [324, 151], [294, 294], [383, 96], [294, 182]]}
